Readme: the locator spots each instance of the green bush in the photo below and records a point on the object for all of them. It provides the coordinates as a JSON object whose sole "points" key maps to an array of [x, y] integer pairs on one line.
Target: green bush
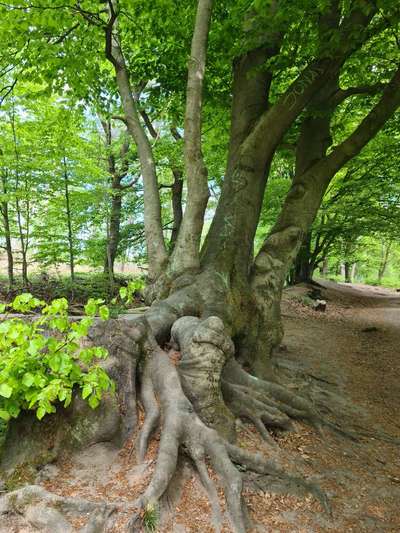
{"points": [[41, 358]]}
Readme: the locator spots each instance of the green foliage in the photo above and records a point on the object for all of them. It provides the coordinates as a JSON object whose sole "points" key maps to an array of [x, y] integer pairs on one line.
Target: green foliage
{"points": [[127, 293], [150, 519], [42, 360], [66, 86]]}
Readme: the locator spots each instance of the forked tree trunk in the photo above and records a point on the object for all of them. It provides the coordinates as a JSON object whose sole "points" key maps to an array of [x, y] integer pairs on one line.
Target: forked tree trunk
{"points": [[223, 312], [280, 248]]}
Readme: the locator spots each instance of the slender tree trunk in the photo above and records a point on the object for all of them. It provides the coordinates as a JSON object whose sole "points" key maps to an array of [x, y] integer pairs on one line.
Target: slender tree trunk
{"points": [[156, 249], [7, 234], [116, 177], [385, 253], [185, 256], [303, 266], [324, 267], [353, 271], [23, 238], [113, 228], [69, 221], [347, 272], [177, 185], [176, 198], [9, 251], [23, 244]]}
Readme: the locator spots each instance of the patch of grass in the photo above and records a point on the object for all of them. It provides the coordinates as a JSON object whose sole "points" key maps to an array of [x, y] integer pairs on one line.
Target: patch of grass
{"points": [[388, 282], [150, 519]]}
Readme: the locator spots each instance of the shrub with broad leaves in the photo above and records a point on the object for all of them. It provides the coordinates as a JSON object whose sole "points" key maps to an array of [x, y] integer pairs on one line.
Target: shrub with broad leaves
{"points": [[42, 359]]}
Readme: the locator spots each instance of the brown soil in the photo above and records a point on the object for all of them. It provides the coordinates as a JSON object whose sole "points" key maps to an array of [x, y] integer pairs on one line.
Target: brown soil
{"points": [[350, 352]]}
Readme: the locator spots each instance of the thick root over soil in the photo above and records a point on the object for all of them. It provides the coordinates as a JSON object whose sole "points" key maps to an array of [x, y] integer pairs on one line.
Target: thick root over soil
{"points": [[194, 400], [184, 397]]}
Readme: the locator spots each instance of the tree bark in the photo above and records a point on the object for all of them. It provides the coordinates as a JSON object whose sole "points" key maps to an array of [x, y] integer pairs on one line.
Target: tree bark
{"points": [[347, 272], [385, 254], [156, 249], [69, 221], [116, 176], [185, 256], [7, 233], [324, 267], [303, 265], [236, 218], [23, 235], [176, 199]]}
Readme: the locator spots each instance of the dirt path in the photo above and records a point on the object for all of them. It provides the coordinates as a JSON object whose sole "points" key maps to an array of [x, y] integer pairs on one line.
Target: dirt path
{"points": [[355, 344], [350, 353]]}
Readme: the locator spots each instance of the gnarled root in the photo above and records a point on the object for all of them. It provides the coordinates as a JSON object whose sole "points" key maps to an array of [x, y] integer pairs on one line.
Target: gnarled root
{"points": [[166, 392], [182, 428], [183, 400]]}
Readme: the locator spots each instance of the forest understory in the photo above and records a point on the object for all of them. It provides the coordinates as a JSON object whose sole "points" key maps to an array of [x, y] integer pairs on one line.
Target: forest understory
{"points": [[349, 354]]}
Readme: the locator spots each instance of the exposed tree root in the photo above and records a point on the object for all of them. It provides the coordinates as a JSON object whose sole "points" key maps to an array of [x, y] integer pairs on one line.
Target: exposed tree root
{"points": [[205, 348], [194, 404], [50, 513], [182, 428]]}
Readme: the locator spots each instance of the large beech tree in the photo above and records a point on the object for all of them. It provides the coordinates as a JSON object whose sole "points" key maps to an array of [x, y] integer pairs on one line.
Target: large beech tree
{"points": [[218, 303]]}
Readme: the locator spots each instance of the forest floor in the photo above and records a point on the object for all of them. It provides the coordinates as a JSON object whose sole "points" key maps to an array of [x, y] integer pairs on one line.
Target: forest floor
{"points": [[352, 353]]}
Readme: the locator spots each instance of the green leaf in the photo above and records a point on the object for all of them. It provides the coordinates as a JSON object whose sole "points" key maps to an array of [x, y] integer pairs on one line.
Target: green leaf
{"points": [[35, 345], [91, 307], [86, 391], [94, 401], [5, 390], [104, 312], [28, 379], [40, 412], [5, 415], [55, 362]]}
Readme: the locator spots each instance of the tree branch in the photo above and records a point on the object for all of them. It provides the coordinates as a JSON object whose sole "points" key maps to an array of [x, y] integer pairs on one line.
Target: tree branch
{"points": [[149, 124], [274, 122], [342, 94], [369, 127]]}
